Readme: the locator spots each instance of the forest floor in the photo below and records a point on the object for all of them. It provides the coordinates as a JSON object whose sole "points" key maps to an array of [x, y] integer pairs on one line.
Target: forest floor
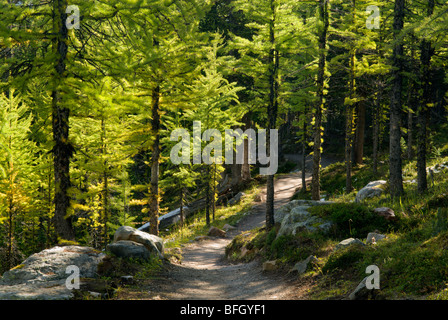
{"points": [[204, 273]]}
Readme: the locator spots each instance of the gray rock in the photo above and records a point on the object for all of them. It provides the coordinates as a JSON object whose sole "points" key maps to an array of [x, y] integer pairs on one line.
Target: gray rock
{"points": [[299, 219], [348, 242], [236, 199], [385, 212], [42, 276], [129, 249], [372, 189], [374, 237], [152, 243], [302, 266], [280, 213]]}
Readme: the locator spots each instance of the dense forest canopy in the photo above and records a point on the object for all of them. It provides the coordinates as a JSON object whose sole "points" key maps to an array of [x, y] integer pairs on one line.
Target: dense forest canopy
{"points": [[92, 90]]}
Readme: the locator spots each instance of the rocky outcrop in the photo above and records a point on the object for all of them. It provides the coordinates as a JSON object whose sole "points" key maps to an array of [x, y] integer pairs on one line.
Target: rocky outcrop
{"points": [[372, 189], [294, 218], [43, 275], [133, 243]]}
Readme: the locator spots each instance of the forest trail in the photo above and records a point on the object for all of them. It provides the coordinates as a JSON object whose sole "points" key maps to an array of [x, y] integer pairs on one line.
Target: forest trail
{"points": [[205, 274]]}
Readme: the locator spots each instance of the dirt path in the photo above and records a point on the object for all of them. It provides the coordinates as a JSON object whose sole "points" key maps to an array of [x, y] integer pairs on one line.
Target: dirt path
{"points": [[204, 274]]}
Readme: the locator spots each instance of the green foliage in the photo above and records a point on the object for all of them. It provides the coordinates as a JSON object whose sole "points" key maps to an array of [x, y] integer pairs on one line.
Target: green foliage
{"points": [[351, 219], [344, 259]]}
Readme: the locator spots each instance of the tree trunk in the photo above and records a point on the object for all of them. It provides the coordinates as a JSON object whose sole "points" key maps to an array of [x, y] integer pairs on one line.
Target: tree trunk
{"points": [[304, 153], [245, 168], [376, 130], [423, 112], [207, 196], [182, 207], [395, 162], [272, 114], [154, 183], [315, 185], [349, 119], [62, 149], [358, 150], [410, 142]]}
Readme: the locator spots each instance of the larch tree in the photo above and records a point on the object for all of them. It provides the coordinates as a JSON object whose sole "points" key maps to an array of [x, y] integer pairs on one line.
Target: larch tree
{"points": [[17, 167], [162, 56], [275, 26], [324, 22]]}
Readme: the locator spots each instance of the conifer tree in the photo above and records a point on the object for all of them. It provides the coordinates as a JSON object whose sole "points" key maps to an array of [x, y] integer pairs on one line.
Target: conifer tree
{"points": [[17, 165], [395, 161], [323, 10], [275, 25]]}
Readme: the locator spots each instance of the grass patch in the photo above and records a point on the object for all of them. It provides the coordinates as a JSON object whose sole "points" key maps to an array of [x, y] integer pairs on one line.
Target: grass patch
{"points": [[351, 219]]}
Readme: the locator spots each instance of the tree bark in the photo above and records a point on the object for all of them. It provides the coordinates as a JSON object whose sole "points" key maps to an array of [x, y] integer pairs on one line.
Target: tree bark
{"points": [[207, 196], [395, 161], [154, 183], [376, 129], [349, 119], [272, 114], [315, 184], [62, 149], [423, 112], [304, 153], [358, 150], [245, 168]]}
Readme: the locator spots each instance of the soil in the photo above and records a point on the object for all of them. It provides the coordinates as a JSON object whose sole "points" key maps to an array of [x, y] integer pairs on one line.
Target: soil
{"points": [[204, 273]]}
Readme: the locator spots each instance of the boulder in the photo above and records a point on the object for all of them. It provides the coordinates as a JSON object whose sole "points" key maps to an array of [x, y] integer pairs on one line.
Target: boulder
{"points": [[302, 266], [129, 249], [385, 212], [348, 242], [152, 243], [235, 199], [216, 232], [42, 276], [280, 213], [371, 190], [374, 237], [270, 265], [297, 218]]}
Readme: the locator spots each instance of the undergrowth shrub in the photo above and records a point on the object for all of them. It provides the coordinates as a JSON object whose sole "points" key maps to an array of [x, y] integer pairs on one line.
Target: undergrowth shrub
{"points": [[351, 219]]}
